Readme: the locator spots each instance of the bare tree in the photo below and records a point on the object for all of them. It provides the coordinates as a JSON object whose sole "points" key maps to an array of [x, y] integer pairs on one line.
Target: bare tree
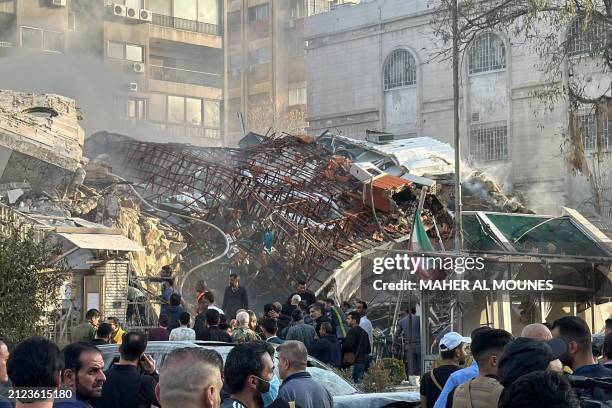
{"points": [[278, 118], [572, 40]]}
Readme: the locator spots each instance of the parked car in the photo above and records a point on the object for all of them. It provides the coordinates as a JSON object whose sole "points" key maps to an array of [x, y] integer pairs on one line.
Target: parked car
{"points": [[344, 393]]}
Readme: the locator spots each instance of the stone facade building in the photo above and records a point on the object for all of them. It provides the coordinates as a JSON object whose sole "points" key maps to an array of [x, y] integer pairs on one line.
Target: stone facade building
{"points": [[370, 66]]}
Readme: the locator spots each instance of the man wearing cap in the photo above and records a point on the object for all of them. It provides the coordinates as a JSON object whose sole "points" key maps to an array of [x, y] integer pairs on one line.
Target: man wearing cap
{"points": [[525, 355], [452, 352], [458, 377]]}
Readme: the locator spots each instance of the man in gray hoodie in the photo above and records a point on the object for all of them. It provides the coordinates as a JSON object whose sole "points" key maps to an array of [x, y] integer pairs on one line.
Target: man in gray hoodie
{"points": [[298, 385]]}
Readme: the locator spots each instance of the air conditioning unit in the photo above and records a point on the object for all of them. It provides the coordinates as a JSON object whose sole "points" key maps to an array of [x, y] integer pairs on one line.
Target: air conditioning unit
{"points": [[475, 116], [138, 67], [58, 3], [365, 171], [292, 23], [132, 13], [379, 137], [145, 15], [119, 10], [134, 86]]}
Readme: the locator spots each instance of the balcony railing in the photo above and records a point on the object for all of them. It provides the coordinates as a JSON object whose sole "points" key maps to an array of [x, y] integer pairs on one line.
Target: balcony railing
{"points": [[185, 76], [189, 25]]}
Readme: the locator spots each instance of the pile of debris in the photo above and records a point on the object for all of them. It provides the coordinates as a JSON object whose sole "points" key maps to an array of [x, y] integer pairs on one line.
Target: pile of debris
{"points": [[43, 173]]}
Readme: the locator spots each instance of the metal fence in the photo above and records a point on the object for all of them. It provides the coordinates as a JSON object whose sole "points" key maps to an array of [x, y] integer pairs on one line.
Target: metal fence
{"points": [[188, 25]]}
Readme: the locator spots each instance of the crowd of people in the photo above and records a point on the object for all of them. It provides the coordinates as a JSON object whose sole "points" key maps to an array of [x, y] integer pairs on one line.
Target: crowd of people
{"points": [[198, 377], [527, 371]]}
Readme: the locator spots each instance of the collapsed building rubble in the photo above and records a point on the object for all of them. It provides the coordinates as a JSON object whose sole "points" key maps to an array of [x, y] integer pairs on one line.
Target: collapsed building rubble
{"points": [[291, 206], [40, 140], [46, 183]]}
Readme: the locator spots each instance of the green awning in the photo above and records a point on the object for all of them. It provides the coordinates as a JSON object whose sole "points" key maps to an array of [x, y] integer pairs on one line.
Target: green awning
{"points": [[529, 234]]}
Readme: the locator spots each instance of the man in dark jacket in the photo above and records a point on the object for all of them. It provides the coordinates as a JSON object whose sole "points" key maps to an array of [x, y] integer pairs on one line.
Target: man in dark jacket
{"points": [[212, 332], [269, 328], [327, 347], [235, 297], [304, 293], [161, 332], [317, 314], [298, 384], [125, 386], [174, 311], [356, 347]]}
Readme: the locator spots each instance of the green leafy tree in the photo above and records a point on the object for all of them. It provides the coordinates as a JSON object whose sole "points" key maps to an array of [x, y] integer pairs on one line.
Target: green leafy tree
{"points": [[30, 282]]}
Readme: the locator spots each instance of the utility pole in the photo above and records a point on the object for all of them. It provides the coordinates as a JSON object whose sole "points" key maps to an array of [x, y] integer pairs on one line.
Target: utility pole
{"points": [[458, 220]]}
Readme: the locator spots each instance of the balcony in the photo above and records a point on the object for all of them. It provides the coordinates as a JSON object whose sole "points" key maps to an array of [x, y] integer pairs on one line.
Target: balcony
{"points": [[185, 76], [187, 25]]}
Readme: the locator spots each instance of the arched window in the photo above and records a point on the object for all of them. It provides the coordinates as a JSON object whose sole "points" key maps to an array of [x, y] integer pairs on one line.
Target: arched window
{"points": [[399, 70], [586, 37], [487, 53]]}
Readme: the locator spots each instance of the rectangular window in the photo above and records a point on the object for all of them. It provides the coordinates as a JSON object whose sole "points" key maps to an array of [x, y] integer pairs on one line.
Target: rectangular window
{"points": [[212, 114], [71, 21], [208, 11], [137, 4], [115, 50], [489, 143], [258, 13], [176, 109], [163, 7], [297, 96], [193, 111], [298, 9], [31, 37], [186, 9], [129, 52], [157, 107], [589, 131], [53, 41], [134, 53], [136, 108]]}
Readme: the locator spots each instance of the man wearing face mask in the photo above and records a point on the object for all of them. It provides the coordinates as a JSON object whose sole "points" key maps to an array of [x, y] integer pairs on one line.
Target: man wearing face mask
{"points": [[249, 375]]}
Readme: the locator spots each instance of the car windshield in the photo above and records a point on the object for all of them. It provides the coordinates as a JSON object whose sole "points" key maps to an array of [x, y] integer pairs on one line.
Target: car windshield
{"points": [[334, 383]]}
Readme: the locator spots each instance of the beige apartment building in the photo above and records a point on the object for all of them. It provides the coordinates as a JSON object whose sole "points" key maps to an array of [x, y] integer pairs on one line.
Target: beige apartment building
{"points": [[265, 64], [165, 58]]}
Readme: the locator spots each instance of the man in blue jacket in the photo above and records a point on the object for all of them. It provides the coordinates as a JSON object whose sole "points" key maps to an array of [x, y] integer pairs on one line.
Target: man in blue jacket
{"points": [[326, 348]]}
